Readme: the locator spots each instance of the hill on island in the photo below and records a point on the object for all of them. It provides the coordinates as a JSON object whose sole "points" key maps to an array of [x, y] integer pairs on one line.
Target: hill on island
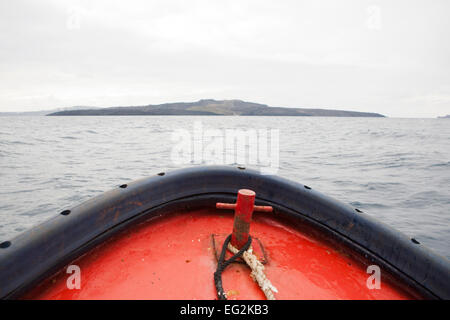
{"points": [[214, 108]]}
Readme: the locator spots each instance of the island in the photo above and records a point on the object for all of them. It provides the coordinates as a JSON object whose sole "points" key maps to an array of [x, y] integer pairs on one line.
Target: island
{"points": [[212, 107], [445, 117]]}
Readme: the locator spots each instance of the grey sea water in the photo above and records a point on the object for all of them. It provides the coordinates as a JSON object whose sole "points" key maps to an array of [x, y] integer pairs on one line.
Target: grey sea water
{"points": [[397, 170]]}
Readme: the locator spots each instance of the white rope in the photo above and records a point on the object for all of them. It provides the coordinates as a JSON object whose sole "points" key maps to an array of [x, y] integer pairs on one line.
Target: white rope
{"points": [[257, 274]]}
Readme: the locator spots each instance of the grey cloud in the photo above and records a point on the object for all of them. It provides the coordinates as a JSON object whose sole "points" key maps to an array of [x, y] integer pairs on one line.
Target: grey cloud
{"points": [[282, 53]]}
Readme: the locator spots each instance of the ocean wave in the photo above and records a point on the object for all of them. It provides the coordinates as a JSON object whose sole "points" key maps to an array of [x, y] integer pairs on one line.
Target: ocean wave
{"points": [[440, 164], [383, 168]]}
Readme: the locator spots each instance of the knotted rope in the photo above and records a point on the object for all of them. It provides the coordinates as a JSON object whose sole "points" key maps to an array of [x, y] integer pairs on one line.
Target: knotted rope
{"points": [[257, 274], [222, 264]]}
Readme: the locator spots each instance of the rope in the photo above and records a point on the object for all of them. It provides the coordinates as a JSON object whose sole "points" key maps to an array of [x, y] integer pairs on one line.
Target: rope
{"points": [[222, 264], [257, 274]]}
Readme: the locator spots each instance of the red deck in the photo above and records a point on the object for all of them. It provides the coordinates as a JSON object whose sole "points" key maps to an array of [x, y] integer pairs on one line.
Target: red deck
{"points": [[172, 258]]}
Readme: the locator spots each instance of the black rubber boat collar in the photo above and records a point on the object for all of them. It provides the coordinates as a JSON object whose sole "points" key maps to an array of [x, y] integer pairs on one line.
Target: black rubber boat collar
{"points": [[38, 253]]}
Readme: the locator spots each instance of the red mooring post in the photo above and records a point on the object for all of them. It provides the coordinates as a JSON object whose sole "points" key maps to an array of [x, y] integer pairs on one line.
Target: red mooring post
{"points": [[243, 210]]}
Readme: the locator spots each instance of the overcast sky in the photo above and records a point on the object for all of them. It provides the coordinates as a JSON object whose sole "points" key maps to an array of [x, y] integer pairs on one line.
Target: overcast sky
{"points": [[391, 57]]}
